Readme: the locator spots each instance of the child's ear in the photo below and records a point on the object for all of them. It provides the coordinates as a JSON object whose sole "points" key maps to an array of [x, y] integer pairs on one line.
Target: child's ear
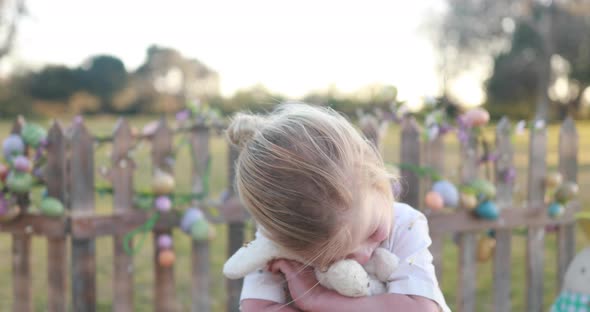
{"points": [[252, 256]]}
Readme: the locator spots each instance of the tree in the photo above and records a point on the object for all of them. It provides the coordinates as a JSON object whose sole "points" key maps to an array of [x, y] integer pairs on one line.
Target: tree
{"points": [[521, 37], [104, 76], [11, 13], [54, 83]]}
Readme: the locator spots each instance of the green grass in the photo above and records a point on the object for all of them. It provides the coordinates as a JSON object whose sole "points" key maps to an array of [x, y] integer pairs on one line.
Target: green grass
{"points": [[143, 265]]}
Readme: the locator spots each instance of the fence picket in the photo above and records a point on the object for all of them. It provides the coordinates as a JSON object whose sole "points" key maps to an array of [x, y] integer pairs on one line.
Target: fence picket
{"points": [[504, 185], [56, 247], [121, 175], [82, 203], [467, 241], [410, 155], [235, 237], [21, 253], [200, 249], [435, 158], [164, 290], [568, 167], [536, 235]]}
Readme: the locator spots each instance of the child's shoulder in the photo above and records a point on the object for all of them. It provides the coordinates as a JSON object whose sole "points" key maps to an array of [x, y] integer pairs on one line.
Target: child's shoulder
{"points": [[404, 213]]}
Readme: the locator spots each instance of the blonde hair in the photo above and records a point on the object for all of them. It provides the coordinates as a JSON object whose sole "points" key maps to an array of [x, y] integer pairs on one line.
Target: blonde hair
{"points": [[302, 169]]}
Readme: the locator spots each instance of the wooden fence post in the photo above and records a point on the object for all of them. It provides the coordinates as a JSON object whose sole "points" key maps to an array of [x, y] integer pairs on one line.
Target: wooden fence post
{"points": [[21, 253], [82, 203], [55, 175], [467, 241], [121, 175], [535, 200], [568, 166], [504, 184], [200, 249], [410, 155], [435, 158], [235, 236], [164, 291]]}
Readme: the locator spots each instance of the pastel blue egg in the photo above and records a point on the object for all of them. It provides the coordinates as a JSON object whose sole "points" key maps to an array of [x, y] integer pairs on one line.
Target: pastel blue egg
{"points": [[556, 210], [448, 191], [487, 210], [190, 216], [12, 145]]}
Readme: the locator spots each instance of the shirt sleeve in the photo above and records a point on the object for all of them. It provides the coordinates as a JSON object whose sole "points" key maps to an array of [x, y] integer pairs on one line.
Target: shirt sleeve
{"points": [[415, 274], [263, 284]]}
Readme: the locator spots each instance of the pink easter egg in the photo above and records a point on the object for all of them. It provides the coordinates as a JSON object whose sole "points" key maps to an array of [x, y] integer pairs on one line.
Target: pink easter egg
{"points": [[163, 204], [434, 201], [164, 241], [22, 163], [477, 117]]}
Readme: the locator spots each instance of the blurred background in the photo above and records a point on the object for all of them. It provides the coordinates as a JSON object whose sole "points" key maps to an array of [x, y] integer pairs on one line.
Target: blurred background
{"points": [[132, 57], [140, 59]]}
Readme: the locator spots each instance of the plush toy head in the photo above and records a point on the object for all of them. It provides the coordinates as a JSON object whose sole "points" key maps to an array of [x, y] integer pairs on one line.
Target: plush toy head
{"points": [[347, 277]]}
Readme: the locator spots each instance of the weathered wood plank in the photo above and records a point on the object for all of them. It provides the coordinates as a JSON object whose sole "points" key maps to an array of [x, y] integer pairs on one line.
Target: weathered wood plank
{"points": [[568, 167], [235, 237], [21, 252], [35, 224], [410, 155], [82, 202], [55, 174], [502, 257], [164, 290], [467, 241], [121, 175], [200, 249], [536, 235], [435, 158]]}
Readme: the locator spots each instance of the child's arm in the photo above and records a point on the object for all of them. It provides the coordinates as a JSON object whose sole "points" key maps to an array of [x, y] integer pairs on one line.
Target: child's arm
{"points": [[385, 302], [310, 296], [258, 305]]}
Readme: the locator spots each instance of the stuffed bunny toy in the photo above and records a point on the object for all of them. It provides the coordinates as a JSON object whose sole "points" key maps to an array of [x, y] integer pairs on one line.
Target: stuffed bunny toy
{"points": [[347, 277], [575, 294]]}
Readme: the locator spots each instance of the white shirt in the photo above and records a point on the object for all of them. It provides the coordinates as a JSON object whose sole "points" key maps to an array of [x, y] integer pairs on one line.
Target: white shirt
{"points": [[409, 240]]}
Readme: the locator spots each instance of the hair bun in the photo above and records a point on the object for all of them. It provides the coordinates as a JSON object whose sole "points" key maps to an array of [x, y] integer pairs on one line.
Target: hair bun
{"points": [[243, 127]]}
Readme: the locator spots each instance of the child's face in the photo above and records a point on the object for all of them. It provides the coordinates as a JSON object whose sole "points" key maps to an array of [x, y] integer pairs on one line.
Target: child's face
{"points": [[370, 227]]}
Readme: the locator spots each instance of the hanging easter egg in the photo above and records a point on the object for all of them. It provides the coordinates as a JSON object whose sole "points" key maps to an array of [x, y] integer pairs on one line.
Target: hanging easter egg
{"points": [[477, 117], [468, 201], [166, 258], [12, 213], [553, 179], [566, 191], [434, 201], [52, 207], [556, 210], [448, 191], [164, 242], [190, 216], [163, 183], [21, 163], [487, 210], [3, 172], [200, 230], [19, 182], [143, 202], [485, 248], [484, 188], [13, 145], [163, 204], [33, 134]]}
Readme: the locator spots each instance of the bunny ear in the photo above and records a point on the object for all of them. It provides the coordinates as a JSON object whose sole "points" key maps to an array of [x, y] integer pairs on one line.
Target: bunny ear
{"points": [[253, 256], [584, 221]]}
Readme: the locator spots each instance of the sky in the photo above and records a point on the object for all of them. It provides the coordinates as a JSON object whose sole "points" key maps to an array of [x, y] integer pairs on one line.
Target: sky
{"points": [[291, 47]]}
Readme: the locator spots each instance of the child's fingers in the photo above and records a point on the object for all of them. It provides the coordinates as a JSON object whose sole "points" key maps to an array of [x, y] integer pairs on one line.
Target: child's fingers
{"points": [[287, 267]]}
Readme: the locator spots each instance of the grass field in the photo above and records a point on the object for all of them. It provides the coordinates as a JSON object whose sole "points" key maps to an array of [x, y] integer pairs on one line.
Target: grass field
{"points": [[143, 261]]}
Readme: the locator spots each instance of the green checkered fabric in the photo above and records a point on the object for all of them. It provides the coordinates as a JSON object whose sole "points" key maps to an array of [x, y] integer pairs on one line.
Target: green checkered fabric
{"points": [[571, 302]]}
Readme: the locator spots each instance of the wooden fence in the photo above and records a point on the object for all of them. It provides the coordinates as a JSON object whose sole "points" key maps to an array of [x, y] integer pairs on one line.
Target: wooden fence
{"points": [[71, 177]]}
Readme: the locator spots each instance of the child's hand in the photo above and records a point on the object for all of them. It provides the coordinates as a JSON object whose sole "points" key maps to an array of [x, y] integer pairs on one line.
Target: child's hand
{"points": [[304, 287]]}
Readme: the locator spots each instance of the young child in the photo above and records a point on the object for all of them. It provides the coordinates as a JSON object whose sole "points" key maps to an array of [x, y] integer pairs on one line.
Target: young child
{"points": [[315, 186]]}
